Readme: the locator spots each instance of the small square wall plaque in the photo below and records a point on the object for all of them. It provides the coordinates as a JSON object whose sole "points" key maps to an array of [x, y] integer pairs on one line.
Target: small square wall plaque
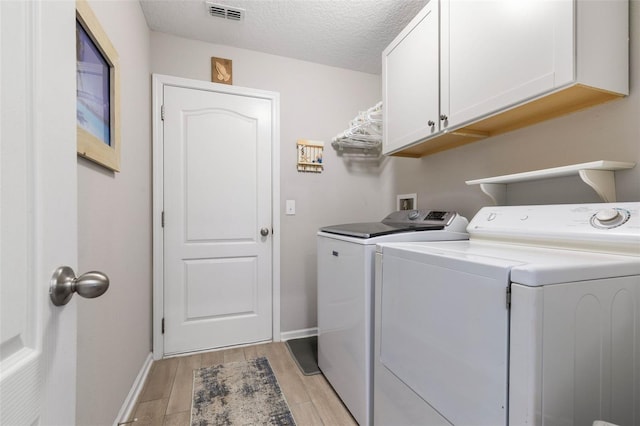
{"points": [[310, 155], [221, 70]]}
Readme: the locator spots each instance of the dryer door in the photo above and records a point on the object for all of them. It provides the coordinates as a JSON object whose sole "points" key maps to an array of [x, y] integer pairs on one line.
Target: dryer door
{"points": [[444, 332]]}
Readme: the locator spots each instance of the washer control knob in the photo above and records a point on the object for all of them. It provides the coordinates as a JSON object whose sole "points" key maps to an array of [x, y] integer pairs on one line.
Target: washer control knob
{"points": [[414, 214], [607, 215]]}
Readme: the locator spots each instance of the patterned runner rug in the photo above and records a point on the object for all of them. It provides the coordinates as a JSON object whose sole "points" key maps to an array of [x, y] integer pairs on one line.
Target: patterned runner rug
{"points": [[238, 393]]}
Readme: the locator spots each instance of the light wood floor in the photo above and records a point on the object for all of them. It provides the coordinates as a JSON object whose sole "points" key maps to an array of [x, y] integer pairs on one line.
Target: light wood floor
{"points": [[166, 396]]}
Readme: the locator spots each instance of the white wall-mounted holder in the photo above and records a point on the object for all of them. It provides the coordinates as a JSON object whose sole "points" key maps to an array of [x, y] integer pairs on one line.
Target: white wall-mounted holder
{"points": [[599, 175], [364, 133], [310, 155]]}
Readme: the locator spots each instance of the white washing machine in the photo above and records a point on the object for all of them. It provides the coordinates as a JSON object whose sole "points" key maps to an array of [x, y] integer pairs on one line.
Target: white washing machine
{"points": [[533, 321], [345, 295]]}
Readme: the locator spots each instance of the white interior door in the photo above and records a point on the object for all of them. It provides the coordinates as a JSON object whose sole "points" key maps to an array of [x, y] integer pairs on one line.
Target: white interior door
{"points": [[38, 210], [217, 218]]}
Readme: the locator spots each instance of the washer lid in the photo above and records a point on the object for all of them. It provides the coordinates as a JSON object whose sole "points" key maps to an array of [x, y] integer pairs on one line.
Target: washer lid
{"points": [[376, 229], [402, 221]]}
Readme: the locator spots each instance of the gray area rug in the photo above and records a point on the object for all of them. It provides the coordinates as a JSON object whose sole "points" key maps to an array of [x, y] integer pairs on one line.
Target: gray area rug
{"points": [[238, 393]]}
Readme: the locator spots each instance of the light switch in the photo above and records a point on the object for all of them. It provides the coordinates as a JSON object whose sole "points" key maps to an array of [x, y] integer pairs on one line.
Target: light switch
{"points": [[291, 207]]}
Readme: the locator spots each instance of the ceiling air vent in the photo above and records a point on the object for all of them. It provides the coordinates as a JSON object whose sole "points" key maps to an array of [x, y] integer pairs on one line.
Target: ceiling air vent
{"points": [[225, 12]]}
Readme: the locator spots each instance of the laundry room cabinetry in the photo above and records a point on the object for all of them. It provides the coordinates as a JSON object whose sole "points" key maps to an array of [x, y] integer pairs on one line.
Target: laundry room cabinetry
{"points": [[410, 71], [498, 53], [504, 65]]}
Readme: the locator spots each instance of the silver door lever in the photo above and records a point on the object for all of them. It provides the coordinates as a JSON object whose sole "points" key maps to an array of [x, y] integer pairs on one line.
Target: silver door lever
{"points": [[64, 283]]}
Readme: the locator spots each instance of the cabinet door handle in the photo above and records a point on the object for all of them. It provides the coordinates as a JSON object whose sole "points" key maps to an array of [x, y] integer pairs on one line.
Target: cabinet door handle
{"points": [[443, 117], [431, 123], [335, 253]]}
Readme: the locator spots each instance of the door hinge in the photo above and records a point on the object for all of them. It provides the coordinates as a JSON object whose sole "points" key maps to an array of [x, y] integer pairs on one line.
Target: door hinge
{"points": [[162, 219], [162, 325], [162, 113], [508, 298]]}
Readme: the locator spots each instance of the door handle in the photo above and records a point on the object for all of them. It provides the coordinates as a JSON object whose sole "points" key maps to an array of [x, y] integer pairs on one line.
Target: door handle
{"points": [[264, 232], [64, 283]]}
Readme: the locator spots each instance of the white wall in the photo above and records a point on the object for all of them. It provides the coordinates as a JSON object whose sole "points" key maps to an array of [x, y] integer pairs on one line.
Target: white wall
{"points": [[317, 103], [608, 132], [114, 233]]}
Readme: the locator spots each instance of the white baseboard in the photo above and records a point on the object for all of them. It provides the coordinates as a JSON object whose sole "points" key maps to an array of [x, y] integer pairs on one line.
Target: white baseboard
{"points": [[136, 389], [297, 334]]}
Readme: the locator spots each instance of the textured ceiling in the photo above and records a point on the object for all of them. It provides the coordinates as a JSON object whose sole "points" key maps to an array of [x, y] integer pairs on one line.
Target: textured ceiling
{"points": [[342, 33]]}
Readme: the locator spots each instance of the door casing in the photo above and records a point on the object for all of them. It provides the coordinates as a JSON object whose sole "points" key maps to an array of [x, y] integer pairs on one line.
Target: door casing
{"points": [[159, 81]]}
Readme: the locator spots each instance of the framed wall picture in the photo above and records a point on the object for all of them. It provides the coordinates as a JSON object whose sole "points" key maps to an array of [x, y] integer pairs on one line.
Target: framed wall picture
{"points": [[98, 91], [407, 202], [221, 70]]}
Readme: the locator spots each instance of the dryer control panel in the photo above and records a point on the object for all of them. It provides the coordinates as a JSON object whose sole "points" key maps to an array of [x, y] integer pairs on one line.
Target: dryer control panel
{"points": [[606, 227]]}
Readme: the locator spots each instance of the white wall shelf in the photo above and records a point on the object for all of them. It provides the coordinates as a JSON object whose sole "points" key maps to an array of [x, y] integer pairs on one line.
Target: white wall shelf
{"points": [[599, 175]]}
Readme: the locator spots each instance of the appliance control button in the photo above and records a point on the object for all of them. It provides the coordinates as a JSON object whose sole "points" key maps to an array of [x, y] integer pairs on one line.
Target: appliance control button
{"points": [[607, 215], [414, 214], [525, 217], [610, 218], [491, 217]]}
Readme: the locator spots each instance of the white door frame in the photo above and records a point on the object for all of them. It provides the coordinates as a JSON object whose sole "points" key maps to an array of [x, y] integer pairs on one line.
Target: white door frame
{"points": [[158, 83]]}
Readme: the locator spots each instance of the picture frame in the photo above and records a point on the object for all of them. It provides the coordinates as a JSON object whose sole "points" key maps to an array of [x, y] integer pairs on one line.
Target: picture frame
{"points": [[98, 91], [407, 202], [221, 70]]}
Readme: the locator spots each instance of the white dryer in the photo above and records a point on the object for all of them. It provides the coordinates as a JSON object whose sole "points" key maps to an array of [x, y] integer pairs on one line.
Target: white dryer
{"points": [[346, 256], [535, 320]]}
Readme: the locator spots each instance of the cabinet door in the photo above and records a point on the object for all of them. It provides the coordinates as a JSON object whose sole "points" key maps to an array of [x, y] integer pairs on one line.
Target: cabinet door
{"points": [[410, 82], [497, 53]]}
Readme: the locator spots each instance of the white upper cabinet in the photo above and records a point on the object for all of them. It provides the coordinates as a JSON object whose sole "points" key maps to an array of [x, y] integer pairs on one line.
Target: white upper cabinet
{"points": [[506, 64], [498, 53], [410, 74]]}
